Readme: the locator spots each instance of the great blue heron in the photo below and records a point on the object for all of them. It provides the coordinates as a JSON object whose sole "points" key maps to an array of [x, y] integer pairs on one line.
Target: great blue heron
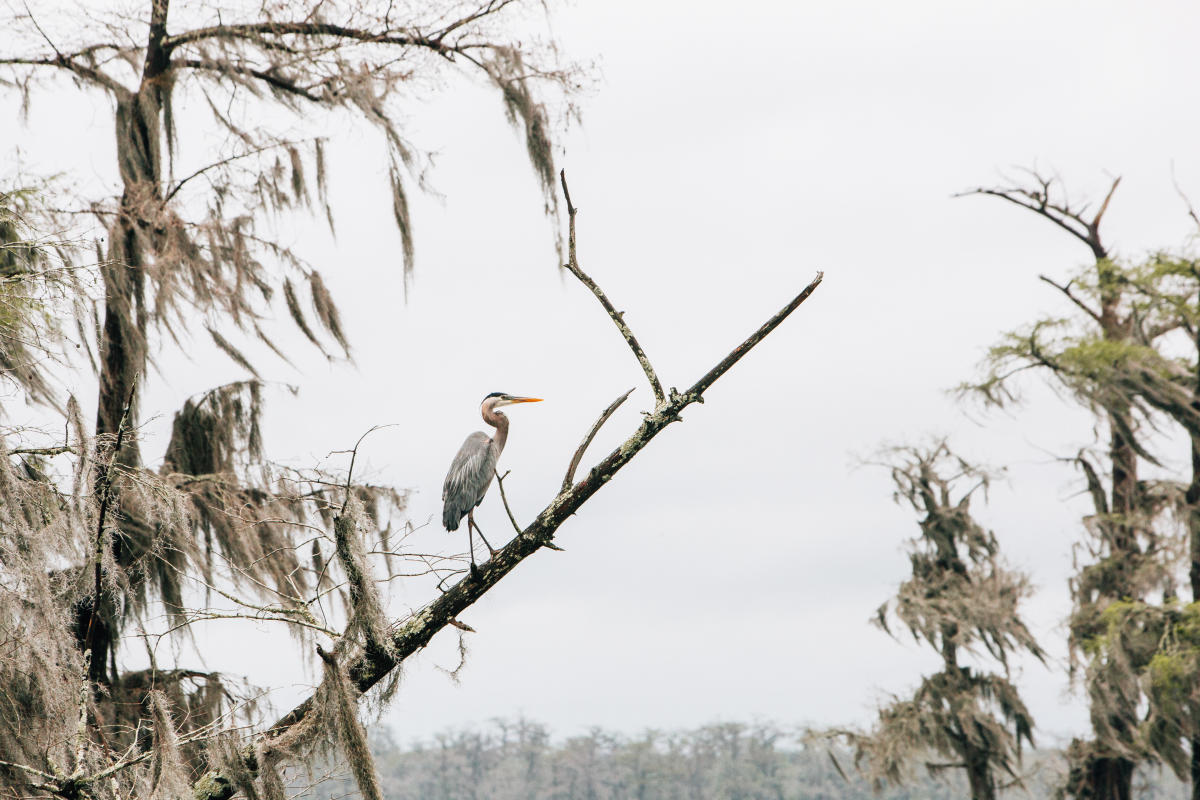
{"points": [[472, 469]]}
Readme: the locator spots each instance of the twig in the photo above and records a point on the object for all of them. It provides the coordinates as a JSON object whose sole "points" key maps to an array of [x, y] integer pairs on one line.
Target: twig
{"points": [[617, 317], [354, 455], [1074, 299], [587, 440], [223, 162], [728, 361], [500, 483], [1095, 223], [511, 518], [1187, 202]]}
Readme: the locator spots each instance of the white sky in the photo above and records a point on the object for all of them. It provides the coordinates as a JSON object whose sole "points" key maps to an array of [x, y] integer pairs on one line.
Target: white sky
{"points": [[729, 152]]}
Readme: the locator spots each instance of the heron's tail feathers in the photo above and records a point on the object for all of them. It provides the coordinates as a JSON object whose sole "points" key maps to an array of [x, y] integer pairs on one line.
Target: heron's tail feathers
{"points": [[451, 517]]}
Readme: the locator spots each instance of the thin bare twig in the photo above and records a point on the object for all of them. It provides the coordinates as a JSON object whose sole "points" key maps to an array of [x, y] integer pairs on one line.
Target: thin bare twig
{"points": [[504, 498], [569, 478], [221, 163], [1187, 201], [508, 509], [1073, 298], [354, 455], [618, 317]]}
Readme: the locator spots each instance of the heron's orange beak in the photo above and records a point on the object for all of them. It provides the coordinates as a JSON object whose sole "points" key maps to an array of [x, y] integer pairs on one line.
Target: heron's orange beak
{"points": [[526, 400]]}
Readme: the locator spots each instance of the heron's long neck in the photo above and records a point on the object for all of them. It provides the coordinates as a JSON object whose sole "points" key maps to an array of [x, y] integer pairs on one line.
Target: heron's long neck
{"points": [[500, 423]]}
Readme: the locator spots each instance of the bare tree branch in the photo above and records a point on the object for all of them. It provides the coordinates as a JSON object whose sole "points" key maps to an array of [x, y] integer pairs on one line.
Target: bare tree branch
{"points": [[1040, 202], [490, 8], [1073, 298], [1187, 201], [618, 317], [256, 31], [569, 478], [710, 377], [504, 499], [85, 72], [171, 192], [271, 77], [512, 517]]}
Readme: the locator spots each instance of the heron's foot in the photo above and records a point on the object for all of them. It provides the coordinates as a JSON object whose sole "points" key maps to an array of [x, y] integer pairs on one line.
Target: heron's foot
{"points": [[474, 570], [492, 551]]}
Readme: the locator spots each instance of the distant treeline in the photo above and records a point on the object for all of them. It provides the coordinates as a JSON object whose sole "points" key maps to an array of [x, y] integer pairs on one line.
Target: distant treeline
{"points": [[519, 760]]}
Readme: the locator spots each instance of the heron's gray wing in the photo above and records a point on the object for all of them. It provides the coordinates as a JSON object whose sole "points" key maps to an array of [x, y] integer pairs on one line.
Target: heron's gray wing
{"points": [[468, 479]]}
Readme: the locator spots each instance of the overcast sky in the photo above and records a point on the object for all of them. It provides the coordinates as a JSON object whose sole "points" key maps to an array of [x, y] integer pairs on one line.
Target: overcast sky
{"points": [[727, 153]]}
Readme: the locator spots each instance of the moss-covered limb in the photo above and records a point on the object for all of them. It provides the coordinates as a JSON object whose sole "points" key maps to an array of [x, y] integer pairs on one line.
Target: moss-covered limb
{"points": [[415, 633], [366, 610]]}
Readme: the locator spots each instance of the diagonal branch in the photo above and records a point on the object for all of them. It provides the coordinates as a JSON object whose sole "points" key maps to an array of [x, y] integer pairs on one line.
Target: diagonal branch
{"points": [[83, 71], [268, 76], [710, 377], [504, 499], [1073, 298], [258, 31], [1072, 220], [618, 317], [174, 190], [265, 33], [587, 440], [511, 517]]}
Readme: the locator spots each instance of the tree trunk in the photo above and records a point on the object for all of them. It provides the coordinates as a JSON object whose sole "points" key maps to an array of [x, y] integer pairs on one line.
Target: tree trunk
{"points": [[123, 336], [1193, 523], [979, 777], [1111, 778]]}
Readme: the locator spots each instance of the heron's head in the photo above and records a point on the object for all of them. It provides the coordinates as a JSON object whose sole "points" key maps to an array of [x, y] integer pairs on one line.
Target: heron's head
{"points": [[498, 399]]}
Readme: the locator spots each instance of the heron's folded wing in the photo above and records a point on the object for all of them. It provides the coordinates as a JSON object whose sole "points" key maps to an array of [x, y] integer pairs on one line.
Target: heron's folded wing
{"points": [[469, 477]]}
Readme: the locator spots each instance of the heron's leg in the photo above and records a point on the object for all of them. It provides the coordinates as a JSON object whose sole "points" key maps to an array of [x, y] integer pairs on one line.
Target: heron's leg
{"points": [[470, 522], [471, 544]]}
